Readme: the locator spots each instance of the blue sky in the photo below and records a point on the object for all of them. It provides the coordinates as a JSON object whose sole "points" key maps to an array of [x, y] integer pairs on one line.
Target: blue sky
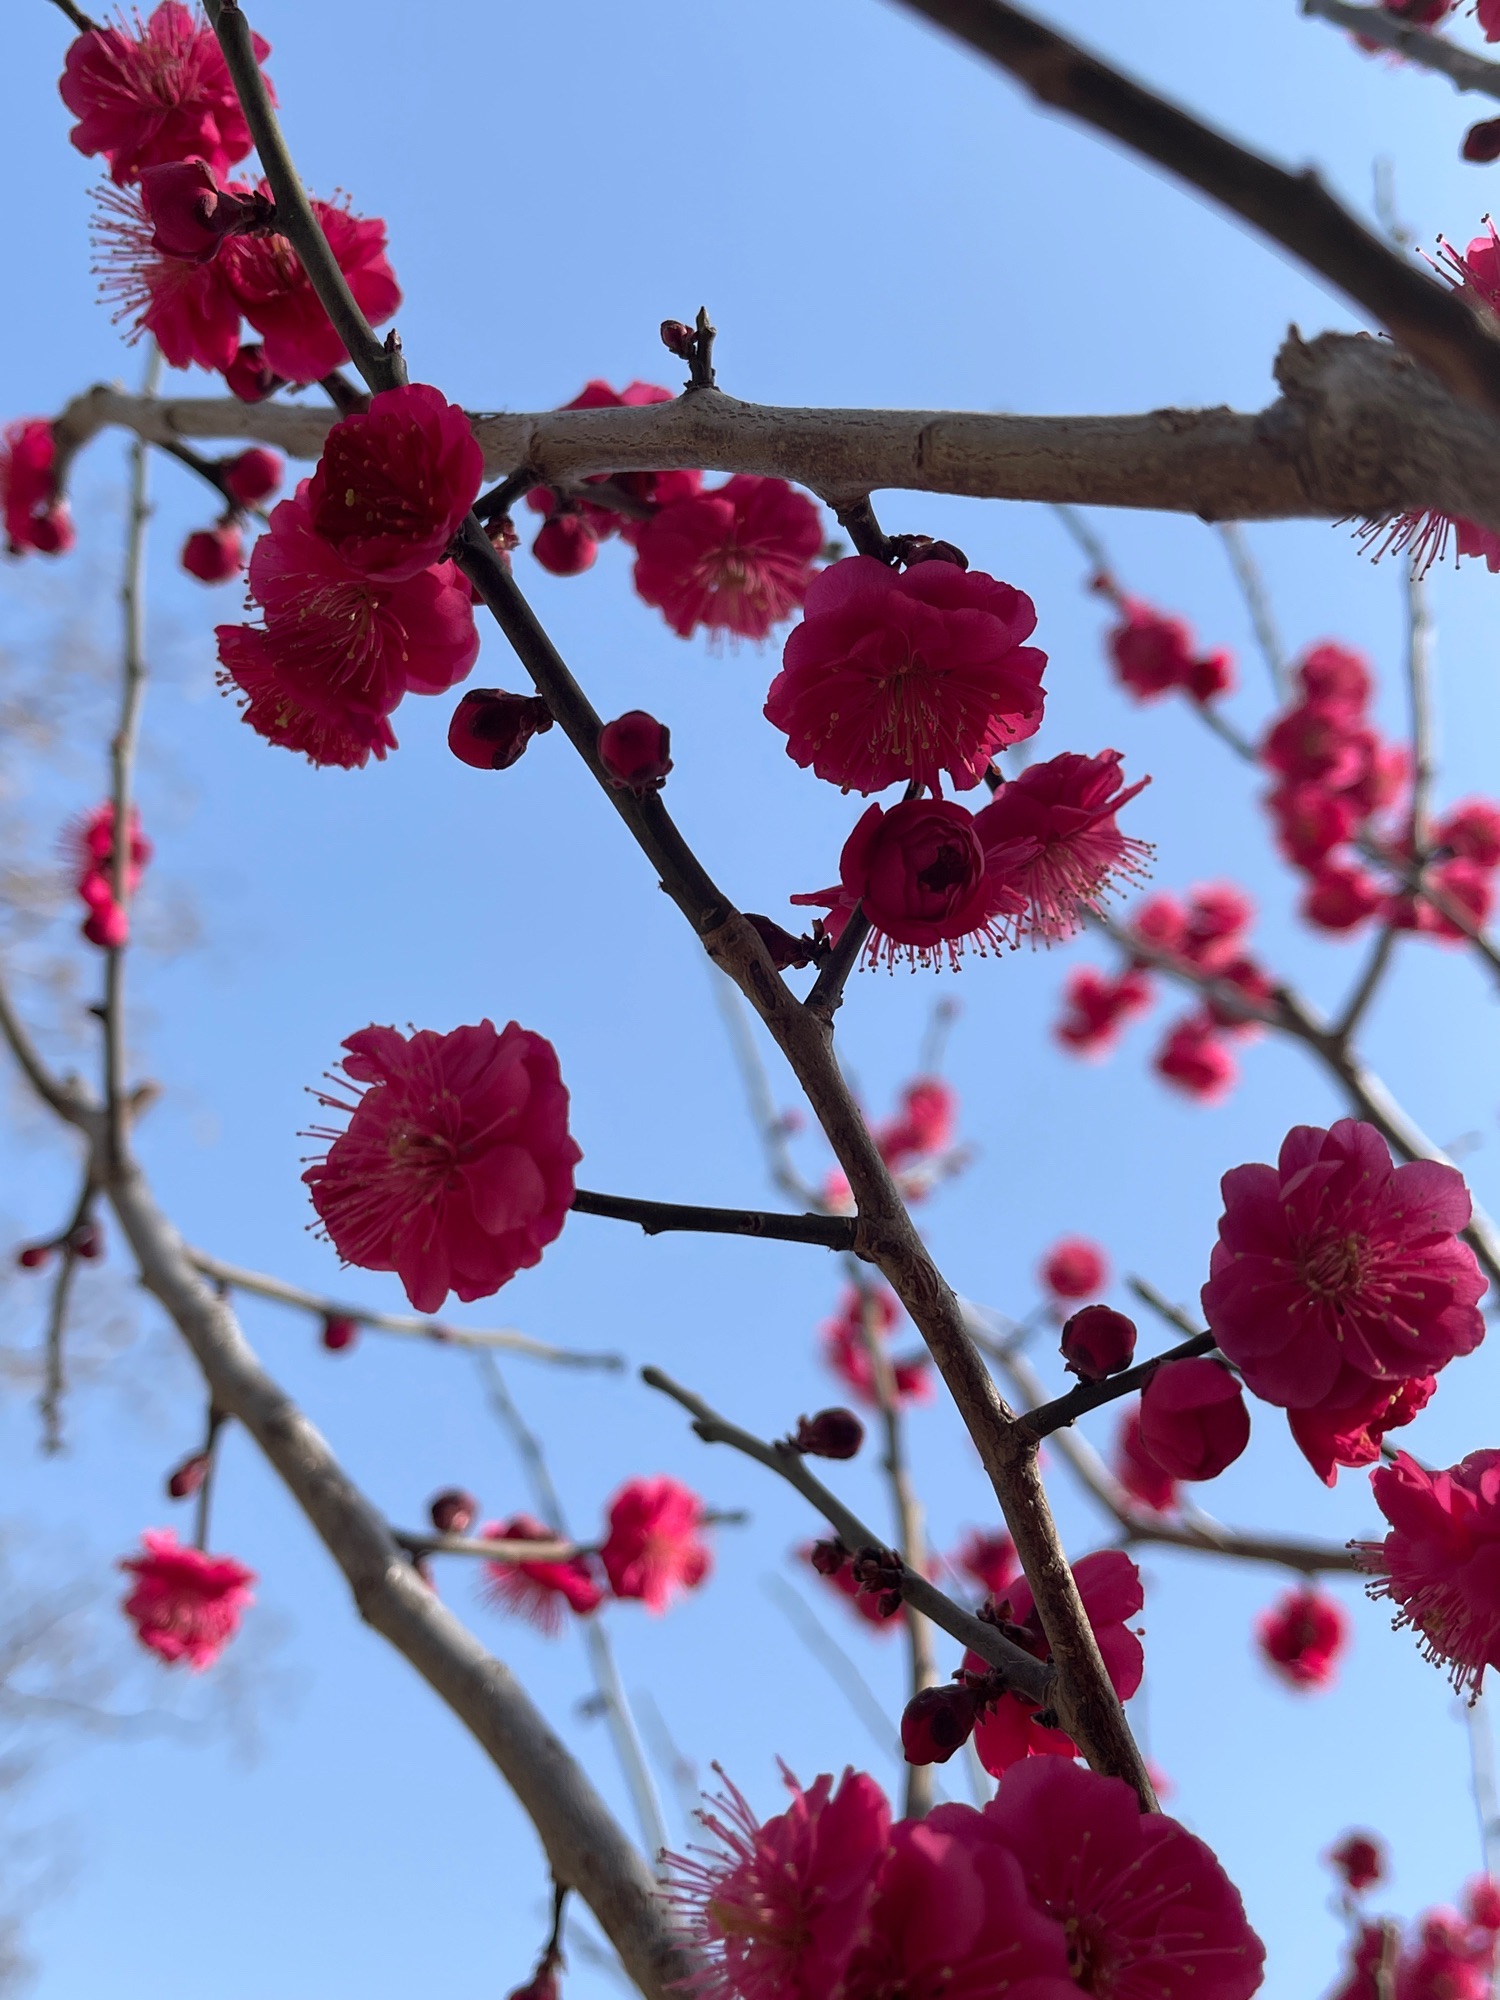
{"points": [[872, 218]]}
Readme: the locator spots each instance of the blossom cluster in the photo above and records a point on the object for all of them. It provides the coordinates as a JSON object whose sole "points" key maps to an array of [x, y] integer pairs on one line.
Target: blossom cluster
{"points": [[1060, 1885], [90, 847], [1446, 1954]]}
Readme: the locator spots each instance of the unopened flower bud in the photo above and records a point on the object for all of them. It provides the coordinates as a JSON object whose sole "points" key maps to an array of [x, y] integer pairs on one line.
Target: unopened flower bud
{"points": [[87, 1241], [213, 555], [491, 728], [678, 339], [106, 925], [1482, 141], [191, 214], [828, 1558], [1211, 676], [253, 476], [786, 951], [924, 550], [1360, 1859], [1098, 1341], [248, 377], [878, 1573], [188, 1477], [453, 1512], [565, 545], [835, 1433], [35, 1256], [339, 1332], [937, 1722], [635, 751], [1194, 1421], [542, 1985]]}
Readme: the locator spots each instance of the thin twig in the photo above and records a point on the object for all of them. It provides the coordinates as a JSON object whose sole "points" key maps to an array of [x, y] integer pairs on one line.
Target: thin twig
{"points": [[1027, 1675], [618, 1715], [831, 1232], [1422, 46], [1368, 983], [764, 1114], [1430, 321], [1065, 1410], [76, 15], [1419, 645], [1163, 1307], [557, 1549], [405, 1325], [202, 1513], [827, 994], [122, 758], [1257, 598], [841, 1668]]}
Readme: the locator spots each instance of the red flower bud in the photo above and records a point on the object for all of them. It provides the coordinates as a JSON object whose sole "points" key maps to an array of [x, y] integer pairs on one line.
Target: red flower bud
{"points": [[922, 549], [634, 750], [453, 1511], [678, 339], [106, 924], [491, 728], [1096, 1342], [1482, 141], [191, 213], [35, 1256], [542, 1985], [1360, 1859], [248, 377], [786, 951], [253, 476], [1193, 1418], [188, 1477], [565, 545], [339, 1332], [88, 1241], [835, 1433], [937, 1722], [828, 1558], [213, 555]]}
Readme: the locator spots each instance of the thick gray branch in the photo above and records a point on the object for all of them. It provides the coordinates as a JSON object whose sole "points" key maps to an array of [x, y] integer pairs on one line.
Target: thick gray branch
{"points": [[1358, 430]]}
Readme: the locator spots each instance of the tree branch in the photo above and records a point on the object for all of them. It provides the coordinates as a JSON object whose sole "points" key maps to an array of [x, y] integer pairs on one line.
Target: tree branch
{"points": [[1065, 1410], [1434, 324], [410, 1326], [1418, 45], [833, 1232], [1358, 430]]}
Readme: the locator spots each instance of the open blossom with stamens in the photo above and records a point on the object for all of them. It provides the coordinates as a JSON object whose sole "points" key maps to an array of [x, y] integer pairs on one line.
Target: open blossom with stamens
{"points": [[190, 307], [1067, 807], [1440, 1563], [1148, 1912], [297, 335], [34, 517], [157, 95], [456, 1167], [737, 559], [338, 650], [394, 482], [537, 1591], [902, 677], [654, 1547], [186, 1606], [933, 880], [1335, 1268], [776, 1907]]}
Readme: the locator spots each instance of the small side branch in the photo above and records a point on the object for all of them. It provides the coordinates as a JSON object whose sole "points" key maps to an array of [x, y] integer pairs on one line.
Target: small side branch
{"points": [[832, 1232], [1065, 1410], [1418, 45]]}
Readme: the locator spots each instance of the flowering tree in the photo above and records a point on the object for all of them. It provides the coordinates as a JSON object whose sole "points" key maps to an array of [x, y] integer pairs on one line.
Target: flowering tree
{"points": [[1347, 1275]]}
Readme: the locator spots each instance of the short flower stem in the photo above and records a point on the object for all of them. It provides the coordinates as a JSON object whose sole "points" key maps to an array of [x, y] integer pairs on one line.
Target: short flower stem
{"points": [[832, 1232], [203, 1512], [1025, 1674], [1088, 1396]]}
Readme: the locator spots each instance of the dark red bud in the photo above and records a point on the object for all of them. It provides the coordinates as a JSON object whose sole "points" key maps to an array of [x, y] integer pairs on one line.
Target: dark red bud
{"points": [[835, 1433], [635, 752], [491, 728], [678, 339], [453, 1512], [542, 1985], [1360, 1859], [878, 1573], [565, 545], [248, 377], [937, 1722], [1482, 141], [786, 951], [88, 1241], [35, 1256], [191, 213], [188, 1477], [253, 476], [925, 550], [828, 1558], [213, 555], [339, 1332], [1098, 1341]]}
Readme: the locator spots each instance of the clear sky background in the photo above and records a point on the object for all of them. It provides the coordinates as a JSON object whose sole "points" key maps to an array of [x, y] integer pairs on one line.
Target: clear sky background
{"points": [[872, 218]]}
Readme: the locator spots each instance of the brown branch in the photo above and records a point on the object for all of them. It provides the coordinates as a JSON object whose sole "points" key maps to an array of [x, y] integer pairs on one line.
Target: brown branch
{"points": [[1435, 325], [555, 1550], [1024, 1673], [409, 1326], [1422, 46], [1064, 1410], [584, 1846], [1358, 430], [832, 1232], [76, 15]]}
